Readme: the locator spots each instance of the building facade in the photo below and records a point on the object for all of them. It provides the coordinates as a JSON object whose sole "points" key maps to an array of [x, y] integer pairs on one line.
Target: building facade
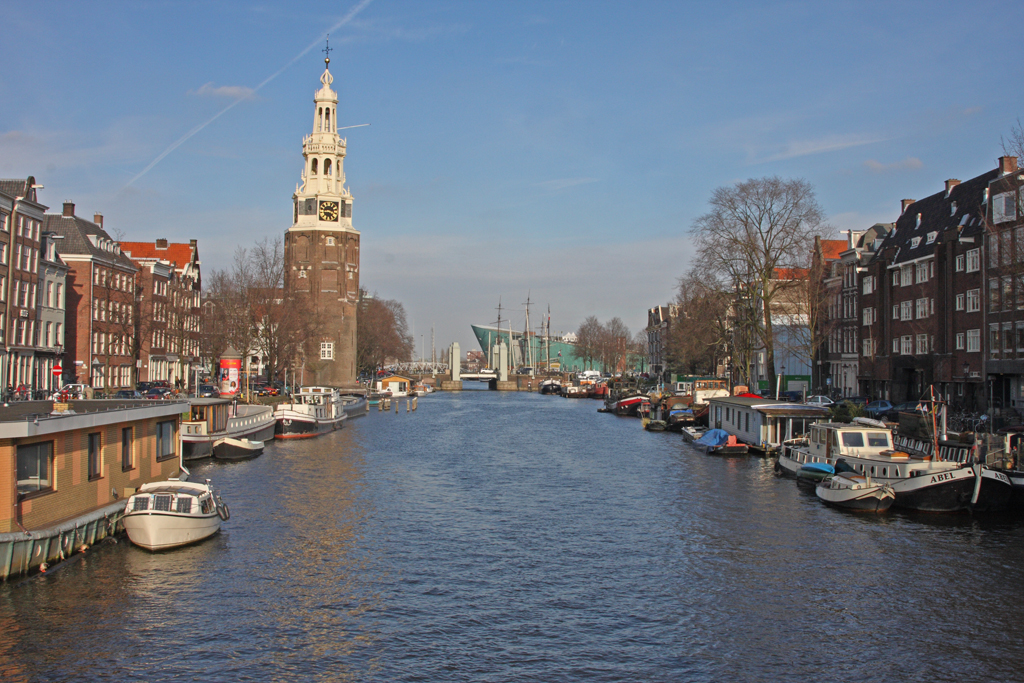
{"points": [[169, 284], [100, 302], [926, 285], [321, 249], [659, 323], [845, 319], [19, 281]]}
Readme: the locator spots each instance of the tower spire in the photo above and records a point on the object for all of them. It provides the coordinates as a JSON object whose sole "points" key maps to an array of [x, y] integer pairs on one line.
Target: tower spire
{"points": [[327, 51]]}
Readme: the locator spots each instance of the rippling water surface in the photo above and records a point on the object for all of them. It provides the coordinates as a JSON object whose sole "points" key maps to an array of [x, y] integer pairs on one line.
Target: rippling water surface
{"points": [[516, 537]]}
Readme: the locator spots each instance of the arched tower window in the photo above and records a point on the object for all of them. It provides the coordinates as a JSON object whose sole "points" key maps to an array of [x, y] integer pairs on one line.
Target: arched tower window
{"points": [[312, 167], [319, 118], [328, 121], [334, 112], [327, 167]]}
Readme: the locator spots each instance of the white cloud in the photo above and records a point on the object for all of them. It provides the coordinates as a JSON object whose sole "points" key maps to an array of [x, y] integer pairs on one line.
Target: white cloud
{"points": [[822, 145], [908, 164], [235, 92]]}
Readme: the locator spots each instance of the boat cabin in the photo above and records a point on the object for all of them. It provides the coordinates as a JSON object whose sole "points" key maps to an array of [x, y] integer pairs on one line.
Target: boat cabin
{"points": [[830, 440], [206, 416], [316, 396], [763, 423]]}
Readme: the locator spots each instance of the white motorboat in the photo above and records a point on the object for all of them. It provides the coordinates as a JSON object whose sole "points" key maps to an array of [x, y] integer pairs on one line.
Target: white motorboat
{"points": [[214, 423], [168, 514], [312, 411], [852, 491]]}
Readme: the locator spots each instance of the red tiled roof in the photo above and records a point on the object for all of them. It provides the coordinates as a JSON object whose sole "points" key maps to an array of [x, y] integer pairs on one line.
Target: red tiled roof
{"points": [[791, 273], [831, 249], [179, 255]]}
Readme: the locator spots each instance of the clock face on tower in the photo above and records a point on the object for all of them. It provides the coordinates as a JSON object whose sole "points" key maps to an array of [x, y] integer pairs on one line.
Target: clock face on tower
{"points": [[328, 211]]}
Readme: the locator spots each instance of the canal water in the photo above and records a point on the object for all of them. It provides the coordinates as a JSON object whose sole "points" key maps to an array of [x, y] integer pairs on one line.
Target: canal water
{"points": [[515, 537]]}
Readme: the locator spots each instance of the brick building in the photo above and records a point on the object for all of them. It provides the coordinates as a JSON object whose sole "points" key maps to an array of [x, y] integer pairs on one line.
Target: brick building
{"points": [[169, 285], [100, 302], [924, 287]]}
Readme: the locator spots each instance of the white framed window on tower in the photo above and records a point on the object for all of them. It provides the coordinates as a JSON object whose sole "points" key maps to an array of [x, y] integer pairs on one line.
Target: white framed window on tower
{"points": [[326, 350]]}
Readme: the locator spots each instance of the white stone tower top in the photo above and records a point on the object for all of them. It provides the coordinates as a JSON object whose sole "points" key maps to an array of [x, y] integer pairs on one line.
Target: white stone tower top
{"points": [[321, 200]]}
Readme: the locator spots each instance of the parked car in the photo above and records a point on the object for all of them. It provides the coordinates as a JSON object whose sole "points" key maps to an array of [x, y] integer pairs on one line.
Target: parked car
{"points": [[208, 391], [819, 401], [128, 393], [158, 393], [877, 409], [791, 396], [893, 415], [143, 387]]}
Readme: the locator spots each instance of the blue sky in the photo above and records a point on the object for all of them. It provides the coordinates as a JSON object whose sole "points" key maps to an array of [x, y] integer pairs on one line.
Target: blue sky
{"points": [[552, 149]]}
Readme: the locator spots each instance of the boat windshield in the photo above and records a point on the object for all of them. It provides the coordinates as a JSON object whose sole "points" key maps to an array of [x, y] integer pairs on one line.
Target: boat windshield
{"points": [[878, 439]]}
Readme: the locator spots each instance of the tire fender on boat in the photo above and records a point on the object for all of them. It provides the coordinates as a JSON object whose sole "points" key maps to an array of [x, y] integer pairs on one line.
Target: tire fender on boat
{"points": [[222, 509]]}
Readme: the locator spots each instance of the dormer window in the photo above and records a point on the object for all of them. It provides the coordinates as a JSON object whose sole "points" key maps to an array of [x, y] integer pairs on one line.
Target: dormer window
{"points": [[931, 237], [952, 208], [914, 242], [918, 221]]}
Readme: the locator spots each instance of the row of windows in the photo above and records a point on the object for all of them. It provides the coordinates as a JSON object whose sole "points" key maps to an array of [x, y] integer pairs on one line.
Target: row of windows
{"points": [[971, 261], [112, 377], [35, 461], [913, 273], [26, 258], [104, 277], [912, 310], [23, 333], [111, 344], [116, 311]]}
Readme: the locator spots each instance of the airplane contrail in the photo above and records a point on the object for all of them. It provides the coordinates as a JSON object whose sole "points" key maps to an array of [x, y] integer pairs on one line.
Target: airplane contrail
{"points": [[344, 20]]}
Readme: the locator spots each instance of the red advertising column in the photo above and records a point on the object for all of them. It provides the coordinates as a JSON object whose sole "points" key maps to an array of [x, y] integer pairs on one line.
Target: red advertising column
{"points": [[230, 373]]}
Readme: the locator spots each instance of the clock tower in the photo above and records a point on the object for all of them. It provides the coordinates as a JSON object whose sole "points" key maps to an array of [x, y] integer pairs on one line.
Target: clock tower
{"points": [[321, 249]]}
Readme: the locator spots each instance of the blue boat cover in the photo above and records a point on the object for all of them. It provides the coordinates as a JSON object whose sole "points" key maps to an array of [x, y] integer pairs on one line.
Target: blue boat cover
{"points": [[714, 437], [681, 411], [819, 467]]}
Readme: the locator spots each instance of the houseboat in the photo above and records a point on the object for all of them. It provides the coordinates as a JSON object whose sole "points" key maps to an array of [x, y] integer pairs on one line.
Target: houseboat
{"points": [[100, 452], [311, 412], [398, 386], [215, 426], [919, 482], [762, 423]]}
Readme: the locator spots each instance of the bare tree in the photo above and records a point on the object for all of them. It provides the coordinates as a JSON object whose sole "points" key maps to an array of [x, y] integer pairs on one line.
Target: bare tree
{"points": [[706, 325], [382, 334], [755, 229], [615, 344], [588, 341]]}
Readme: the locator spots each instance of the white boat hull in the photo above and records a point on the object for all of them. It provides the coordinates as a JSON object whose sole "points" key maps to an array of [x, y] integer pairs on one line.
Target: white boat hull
{"points": [[855, 494], [164, 530]]}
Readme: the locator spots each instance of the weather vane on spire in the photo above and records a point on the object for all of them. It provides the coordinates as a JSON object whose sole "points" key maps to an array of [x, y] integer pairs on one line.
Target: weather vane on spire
{"points": [[327, 50]]}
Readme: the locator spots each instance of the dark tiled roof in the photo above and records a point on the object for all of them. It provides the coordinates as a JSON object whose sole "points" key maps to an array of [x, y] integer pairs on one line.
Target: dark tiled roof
{"points": [[19, 187], [76, 232], [938, 216]]}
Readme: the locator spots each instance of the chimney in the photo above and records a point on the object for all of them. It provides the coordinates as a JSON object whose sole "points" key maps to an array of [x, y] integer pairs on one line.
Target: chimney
{"points": [[950, 184], [98, 219], [904, 203], [193, 244], [161, 243], [1007, 165], [69, 209]]}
